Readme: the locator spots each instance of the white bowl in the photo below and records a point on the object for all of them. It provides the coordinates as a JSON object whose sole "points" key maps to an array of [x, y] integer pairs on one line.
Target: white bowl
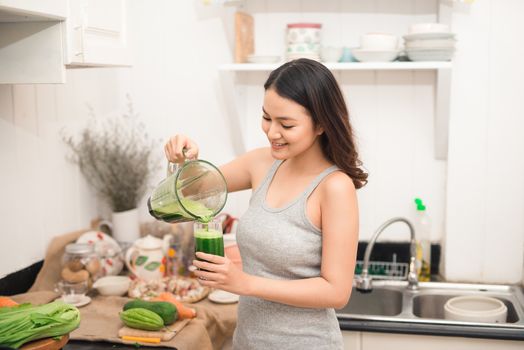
{"points": [[330, 53], [428, 28], [112, 285], [378, 41], [374, 56], [475, 309]]}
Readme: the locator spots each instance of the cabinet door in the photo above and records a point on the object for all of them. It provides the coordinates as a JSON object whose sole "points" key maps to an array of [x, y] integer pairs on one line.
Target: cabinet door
{"points": [[351, 340], [97, 33], [380, 341]]}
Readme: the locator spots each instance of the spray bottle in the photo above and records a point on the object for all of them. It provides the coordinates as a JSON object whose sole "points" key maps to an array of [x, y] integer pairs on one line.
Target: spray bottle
{"points": [[423, 236]]}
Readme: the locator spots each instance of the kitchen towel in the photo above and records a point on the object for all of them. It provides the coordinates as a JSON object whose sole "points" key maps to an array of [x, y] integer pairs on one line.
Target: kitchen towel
{"points": [[213, 325], [100, 321]]}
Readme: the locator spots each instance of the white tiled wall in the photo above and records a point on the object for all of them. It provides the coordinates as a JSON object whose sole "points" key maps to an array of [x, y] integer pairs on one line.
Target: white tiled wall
{"points": [[485, 187], [392, 112]]}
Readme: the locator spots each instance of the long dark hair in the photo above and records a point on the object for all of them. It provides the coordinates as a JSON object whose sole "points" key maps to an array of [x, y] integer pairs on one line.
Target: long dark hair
{"points": [[313, 86]]}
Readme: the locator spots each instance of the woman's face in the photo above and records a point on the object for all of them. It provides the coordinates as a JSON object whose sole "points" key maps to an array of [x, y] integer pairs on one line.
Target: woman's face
{"points": [[288, 126]]}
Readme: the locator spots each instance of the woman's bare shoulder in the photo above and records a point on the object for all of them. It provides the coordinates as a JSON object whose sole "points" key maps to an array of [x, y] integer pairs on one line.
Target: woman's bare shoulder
{"points": [[259, 157], [337, 184], [259, 162]]}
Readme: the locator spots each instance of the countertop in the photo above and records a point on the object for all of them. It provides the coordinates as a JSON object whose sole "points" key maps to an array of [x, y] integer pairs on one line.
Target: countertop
{"points": [[485, 332]]}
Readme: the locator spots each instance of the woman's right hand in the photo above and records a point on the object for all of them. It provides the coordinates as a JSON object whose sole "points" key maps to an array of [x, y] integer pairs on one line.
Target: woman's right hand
{"points": [[180, 147]]}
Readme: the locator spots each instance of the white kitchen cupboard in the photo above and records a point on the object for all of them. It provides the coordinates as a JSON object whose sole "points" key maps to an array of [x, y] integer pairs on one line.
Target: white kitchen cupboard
{"points": [[97, 33], [32, 10], [352, 340], [31, 46], [338, 17], [39, 39]]}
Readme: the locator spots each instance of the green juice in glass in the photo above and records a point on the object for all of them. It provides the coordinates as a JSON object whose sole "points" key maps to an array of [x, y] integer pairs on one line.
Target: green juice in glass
{"points": [[208, 240]]}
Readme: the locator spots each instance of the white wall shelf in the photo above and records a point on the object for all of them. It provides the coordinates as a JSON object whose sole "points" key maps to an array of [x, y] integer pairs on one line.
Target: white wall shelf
{"points": [[253, 67]]}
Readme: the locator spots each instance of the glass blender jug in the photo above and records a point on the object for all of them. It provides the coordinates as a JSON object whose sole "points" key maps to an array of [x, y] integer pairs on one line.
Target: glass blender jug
{"points": [[195, 190]]}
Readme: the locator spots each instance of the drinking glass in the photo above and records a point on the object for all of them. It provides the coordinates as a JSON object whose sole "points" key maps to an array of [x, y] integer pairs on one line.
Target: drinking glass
{"points": [[209, 237], [72, 292]]}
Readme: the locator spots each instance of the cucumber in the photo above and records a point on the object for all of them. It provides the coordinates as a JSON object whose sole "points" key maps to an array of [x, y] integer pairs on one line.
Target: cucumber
{"points": [[140, 318], [167, 311]]}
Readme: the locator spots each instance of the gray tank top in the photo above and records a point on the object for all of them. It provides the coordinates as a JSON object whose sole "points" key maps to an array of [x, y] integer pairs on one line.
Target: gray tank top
{"points": [[282, 243]]}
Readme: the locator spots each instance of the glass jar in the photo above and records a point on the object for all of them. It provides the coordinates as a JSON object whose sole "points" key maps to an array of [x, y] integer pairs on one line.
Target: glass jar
{"points": [[80, 263]]}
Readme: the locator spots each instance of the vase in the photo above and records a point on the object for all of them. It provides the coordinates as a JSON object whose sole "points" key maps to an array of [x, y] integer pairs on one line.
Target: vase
{"points": [[126, 227]]}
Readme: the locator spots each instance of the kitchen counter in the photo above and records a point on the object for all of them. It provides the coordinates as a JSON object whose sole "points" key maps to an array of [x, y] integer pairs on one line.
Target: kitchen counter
{"points": [[391, 307], [485, 332]]}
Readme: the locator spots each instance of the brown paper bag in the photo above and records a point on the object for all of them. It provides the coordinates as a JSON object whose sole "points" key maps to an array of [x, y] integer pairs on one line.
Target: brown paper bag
{"points": [[244, 39]]}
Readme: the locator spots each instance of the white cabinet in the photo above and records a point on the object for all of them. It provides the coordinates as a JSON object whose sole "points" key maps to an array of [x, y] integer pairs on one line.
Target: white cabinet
{"points": [[352, 340], [31, 47], [39, 39], [31, 10], [379, 341], [97, 33]]}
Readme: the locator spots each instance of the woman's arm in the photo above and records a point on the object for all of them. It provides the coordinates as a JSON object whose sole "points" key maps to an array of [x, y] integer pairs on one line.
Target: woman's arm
{"points": [[339, 243], [243, 172]]}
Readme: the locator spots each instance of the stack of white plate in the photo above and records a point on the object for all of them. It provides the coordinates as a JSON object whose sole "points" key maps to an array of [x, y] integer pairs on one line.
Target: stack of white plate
{"points": [[429, 42]]}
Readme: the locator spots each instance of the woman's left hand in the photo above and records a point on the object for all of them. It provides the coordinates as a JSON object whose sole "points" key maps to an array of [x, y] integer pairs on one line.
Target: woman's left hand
{"points": [[220, 273]]}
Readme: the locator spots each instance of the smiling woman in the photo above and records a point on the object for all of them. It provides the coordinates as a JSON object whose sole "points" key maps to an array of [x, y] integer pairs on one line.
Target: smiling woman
{"points": [[299, 236]]}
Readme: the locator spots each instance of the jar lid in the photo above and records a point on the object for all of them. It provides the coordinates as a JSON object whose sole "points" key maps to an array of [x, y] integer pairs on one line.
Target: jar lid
{"points": [[304, 25], [79, 248]]}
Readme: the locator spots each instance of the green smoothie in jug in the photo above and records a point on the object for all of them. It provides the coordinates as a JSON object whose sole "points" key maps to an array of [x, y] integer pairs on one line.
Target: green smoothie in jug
{"points": [[209, 241], [172, 211]]}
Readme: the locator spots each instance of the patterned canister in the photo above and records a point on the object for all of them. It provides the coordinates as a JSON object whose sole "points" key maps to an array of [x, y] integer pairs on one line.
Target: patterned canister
{"points": [[298, 33], [303, 40]]}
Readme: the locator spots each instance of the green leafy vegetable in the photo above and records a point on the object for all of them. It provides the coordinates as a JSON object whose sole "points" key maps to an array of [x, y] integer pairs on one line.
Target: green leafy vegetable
{"points": [[23, 323]]}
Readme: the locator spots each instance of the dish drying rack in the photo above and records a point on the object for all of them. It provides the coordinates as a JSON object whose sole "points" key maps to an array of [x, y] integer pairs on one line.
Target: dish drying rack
{"points": [[385, 270]]}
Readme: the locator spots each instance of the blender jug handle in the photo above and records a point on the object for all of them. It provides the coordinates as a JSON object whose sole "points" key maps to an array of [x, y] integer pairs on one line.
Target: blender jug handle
{"points": [[173, 167]]}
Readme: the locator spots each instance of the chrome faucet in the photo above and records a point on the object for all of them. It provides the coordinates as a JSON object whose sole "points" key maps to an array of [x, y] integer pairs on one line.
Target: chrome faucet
{"points": [[364, 280]]}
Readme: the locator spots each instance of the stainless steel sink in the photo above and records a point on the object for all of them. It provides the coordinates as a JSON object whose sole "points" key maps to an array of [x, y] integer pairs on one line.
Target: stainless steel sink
{"points": [[380, 301], [432, 306], [392, 301]]}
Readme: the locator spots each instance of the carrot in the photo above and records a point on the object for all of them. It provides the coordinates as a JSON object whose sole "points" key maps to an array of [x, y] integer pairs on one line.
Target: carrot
{"points": [[142, 339], [183, 311], [6, 301]]}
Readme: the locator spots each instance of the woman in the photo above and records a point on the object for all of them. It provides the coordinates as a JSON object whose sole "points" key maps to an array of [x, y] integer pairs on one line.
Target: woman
{"points": [[299, 236]]}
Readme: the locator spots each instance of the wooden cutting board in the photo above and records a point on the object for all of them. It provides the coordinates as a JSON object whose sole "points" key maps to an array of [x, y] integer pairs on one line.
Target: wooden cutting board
{"points": [[46, 344], [244, 39]]}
